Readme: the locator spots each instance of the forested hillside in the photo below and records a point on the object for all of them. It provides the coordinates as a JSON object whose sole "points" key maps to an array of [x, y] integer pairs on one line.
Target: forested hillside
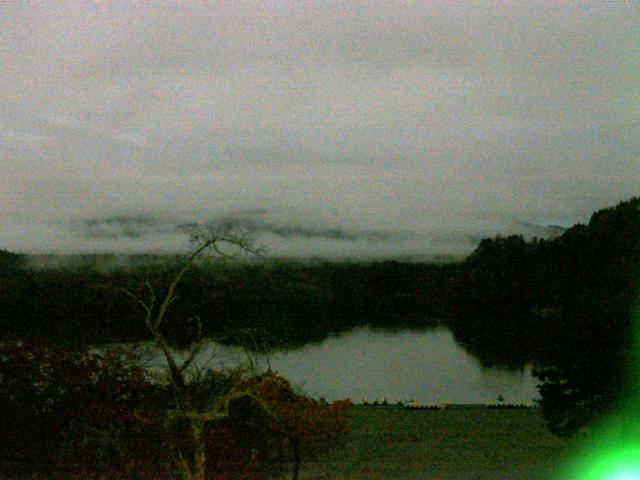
{"points": [[567, 304]]}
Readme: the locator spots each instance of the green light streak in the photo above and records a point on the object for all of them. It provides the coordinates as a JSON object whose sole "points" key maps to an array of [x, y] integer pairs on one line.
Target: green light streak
{"points": [[613, 450], [610, 462]]}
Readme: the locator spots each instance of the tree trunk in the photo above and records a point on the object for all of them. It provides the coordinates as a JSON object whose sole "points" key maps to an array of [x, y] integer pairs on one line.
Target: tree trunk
{"points": [[200, 449], [296, 459]]}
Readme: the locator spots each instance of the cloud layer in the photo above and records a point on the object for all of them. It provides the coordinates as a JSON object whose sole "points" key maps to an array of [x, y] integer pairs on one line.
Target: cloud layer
{"points": [[404, 130]]}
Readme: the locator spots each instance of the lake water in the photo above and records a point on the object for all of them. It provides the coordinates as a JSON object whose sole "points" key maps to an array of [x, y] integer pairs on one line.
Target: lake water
{"points": [[427, 366]]}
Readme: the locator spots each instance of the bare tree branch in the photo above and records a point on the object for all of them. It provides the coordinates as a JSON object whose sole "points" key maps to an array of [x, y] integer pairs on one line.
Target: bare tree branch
{"points": [[202, 238], [146, 307], [196, 348]]}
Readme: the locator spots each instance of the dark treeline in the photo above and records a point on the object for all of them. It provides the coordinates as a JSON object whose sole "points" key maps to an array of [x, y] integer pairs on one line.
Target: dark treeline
{"points": [[567, 305], [287, 303], [554, 297]]}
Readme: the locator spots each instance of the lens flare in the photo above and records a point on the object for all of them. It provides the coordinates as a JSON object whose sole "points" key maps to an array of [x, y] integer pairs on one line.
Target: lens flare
{"points": [[612, 459], [626, 475], [613, 451]]}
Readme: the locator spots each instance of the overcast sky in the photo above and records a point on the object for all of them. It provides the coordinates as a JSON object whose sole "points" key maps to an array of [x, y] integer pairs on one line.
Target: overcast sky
{"points": [[332, 128]]}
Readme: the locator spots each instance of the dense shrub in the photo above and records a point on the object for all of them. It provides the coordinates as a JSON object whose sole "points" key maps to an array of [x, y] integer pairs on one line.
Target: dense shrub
{"points": [[73, 414], [259, 444], [63, 409]]}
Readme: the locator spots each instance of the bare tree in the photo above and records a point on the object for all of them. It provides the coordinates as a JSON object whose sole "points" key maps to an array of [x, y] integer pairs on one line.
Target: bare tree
{"points": [[195, 403], [225, 244]]}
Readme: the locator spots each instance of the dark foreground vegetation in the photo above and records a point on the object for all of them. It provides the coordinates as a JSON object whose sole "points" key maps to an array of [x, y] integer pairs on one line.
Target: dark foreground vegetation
{"points": [[77, 415], [73, 413], [565, 304]]}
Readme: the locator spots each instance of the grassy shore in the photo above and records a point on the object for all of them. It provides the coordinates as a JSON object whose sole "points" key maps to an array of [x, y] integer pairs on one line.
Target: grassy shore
{"points": [[456, 443]]}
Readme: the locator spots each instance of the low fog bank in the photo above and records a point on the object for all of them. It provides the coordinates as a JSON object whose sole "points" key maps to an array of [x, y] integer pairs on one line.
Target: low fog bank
{"points": [[126, 239]]}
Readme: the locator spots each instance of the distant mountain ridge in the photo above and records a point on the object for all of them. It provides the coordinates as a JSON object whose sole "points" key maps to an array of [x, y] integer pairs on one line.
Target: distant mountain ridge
{"points": [[531, 230]]}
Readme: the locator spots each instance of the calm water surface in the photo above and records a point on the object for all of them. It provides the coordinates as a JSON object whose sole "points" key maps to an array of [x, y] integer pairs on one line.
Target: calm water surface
{"points": [[427, 366]]}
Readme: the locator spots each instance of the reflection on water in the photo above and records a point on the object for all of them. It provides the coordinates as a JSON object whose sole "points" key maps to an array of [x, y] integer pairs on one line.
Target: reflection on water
{"points": [[427, 366]]}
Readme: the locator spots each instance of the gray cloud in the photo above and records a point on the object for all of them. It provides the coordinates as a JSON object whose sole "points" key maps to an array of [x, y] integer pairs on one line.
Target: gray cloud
{"points": [[403, 130]]}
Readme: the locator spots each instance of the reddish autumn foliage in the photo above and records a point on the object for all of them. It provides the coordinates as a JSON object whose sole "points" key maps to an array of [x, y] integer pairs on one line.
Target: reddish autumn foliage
{"points": [[67, 410], [84, 416], [258, 441]]}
